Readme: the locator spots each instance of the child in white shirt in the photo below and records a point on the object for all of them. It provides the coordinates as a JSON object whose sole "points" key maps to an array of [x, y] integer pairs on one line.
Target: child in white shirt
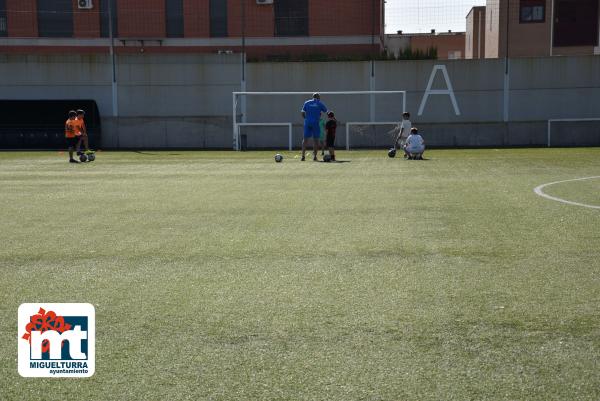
{"points": [[415, 145]]}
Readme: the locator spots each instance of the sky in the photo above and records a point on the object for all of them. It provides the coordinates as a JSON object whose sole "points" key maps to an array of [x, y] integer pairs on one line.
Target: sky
{"points": [[412, 16]]}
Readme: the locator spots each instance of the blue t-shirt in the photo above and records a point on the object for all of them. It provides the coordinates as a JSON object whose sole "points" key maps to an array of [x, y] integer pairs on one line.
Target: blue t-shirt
{"points": [[313, 109]]}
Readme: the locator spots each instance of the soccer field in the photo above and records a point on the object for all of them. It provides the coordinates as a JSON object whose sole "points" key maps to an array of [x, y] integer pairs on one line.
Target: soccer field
{"points": [[227, 276]]}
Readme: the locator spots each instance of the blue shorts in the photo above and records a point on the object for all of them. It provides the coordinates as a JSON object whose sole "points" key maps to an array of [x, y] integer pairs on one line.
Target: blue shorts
{"points": [[312, 130]]}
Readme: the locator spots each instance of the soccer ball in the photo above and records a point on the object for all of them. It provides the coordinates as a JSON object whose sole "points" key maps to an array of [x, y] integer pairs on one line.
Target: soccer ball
{"points": [[91, 157], [327, 158], [392, 152], [83, 158], [278, 158]]}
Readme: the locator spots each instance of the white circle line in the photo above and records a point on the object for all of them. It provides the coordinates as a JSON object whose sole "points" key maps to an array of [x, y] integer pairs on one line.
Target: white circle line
{"points": [[538, 191]]}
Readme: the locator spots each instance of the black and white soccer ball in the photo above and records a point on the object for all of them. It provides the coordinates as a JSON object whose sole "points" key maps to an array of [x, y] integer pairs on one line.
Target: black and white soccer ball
{"points": [[327, 158], [278, 158], [392, 152], [83, 158], [91, 157]]}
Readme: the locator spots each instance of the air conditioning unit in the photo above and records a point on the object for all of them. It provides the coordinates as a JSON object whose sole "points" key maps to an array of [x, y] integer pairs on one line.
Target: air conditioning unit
{"points": [[85, 4], [264, 1]]}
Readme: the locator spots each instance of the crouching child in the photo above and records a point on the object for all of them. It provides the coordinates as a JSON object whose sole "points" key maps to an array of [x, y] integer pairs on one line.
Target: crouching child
{"points": [[415, 145]]}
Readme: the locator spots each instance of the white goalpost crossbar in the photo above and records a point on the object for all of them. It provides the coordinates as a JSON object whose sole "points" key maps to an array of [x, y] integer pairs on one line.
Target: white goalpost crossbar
{"points": [[350, 124], [289, 125], [565, 120], [236, 125]]}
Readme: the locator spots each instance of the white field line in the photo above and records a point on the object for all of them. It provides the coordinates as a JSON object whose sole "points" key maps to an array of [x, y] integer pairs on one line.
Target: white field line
{"points": [[538, 191]]}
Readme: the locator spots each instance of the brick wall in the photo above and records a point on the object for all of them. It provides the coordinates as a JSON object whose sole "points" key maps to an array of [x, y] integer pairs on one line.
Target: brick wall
{"points": [[141, 18], [260, 19], [22, 18], [444, 43], [195, 18], [86, 23], [337, 18]]}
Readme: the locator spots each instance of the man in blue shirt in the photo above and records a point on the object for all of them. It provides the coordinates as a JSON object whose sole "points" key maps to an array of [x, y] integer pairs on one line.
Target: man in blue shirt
{"points": [[311, 112]]}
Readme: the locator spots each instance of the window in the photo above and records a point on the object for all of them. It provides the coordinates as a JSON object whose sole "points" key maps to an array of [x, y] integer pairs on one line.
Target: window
{"points": [[218, 18], [3, 26], [174, 15], [291, 18], [55, 18], [576, 23], [532, 11], [104, 18]]}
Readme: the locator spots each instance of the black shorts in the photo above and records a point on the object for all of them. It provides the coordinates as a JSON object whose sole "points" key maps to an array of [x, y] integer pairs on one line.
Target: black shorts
{"points": [[330, 140], [72, 142]]}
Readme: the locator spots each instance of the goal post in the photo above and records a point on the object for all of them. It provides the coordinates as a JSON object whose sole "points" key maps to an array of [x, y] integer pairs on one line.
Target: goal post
{"points": [[399, 106]]}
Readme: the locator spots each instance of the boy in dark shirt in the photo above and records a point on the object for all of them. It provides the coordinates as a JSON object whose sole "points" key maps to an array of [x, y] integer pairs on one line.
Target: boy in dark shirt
{"points": [[330, 127]]}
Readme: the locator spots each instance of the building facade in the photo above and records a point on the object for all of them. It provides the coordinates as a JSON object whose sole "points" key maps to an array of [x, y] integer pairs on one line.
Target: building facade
{"points": [[264, 27], [449, 45], [475, 34], [538, 28]]}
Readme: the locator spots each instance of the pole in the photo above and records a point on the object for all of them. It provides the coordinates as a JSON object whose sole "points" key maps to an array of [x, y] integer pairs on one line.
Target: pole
{"points": [[480, 35], [507, 35], [551, 27], [235, 124], [115, 98], [243, 83], [372, 77], [506, 63]]}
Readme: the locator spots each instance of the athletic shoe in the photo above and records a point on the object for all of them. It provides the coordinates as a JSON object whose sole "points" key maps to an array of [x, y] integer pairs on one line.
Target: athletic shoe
{"points": [[73, 161], [303, 158]]}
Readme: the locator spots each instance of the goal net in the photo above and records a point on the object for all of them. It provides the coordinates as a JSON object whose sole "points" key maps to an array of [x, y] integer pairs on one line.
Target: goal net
{"points": [[366, 119]]}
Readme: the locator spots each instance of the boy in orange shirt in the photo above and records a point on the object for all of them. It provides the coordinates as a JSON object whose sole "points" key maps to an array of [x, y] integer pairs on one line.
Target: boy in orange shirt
{"points": [[73, 128], [84, 135]]}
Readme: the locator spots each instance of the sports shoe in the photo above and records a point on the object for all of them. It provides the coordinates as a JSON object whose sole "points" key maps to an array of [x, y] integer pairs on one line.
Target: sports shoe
{"points": [[303, 158], [73, 161]]}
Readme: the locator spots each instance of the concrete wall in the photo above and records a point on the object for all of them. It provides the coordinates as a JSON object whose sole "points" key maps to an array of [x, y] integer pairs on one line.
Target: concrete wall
{"points": [[185, 101], [163, 101], [34, 77]]}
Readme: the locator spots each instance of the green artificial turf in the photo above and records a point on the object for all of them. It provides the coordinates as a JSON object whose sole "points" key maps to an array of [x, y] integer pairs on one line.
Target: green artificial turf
{"points": [[226, 276]]}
